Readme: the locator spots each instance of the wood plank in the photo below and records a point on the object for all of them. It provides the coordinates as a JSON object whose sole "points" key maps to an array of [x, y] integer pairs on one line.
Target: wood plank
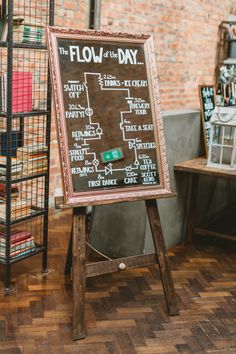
{"points": [[38, 320], [198, 165], [68, 264], [60, 203], [162, 256], [110, 266], [78, 272], [207, 232]]}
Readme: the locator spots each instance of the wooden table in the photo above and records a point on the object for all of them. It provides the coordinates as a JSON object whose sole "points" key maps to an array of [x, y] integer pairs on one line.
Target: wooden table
{"points": [[195, 168]]}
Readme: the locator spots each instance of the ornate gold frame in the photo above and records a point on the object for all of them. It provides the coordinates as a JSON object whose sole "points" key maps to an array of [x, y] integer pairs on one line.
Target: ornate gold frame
{"points": [[140, 192]]}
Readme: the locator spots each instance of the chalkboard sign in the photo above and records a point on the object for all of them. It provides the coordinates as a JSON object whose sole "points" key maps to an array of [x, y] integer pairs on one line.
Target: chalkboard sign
{"points": [[207, 103], [109, 123]]}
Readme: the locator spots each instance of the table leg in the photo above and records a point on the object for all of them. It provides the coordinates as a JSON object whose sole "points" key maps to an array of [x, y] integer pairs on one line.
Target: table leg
{"points": [[191, 206], [68, 263]]}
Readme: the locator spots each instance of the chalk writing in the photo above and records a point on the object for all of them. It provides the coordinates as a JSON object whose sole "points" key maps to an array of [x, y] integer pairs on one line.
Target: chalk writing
{"points": [[108, 115]]}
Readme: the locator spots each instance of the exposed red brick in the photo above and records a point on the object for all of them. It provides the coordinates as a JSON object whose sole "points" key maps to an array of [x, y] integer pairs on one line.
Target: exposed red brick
{"points": [[185, 37]]}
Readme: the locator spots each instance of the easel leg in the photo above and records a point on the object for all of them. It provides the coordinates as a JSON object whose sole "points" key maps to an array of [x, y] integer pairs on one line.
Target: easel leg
{"points": [[68, 263], [78, 272], [163, 260]]}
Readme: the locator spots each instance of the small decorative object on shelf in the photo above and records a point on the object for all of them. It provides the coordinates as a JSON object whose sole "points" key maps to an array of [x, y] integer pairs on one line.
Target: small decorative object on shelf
{"points": [[222, 148], [32, 34], [226, 49], [226, 87], [25, 106]]}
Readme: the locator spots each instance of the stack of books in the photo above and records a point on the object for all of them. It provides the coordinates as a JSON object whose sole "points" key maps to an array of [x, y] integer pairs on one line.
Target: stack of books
{"points": [[21, 243], [15, 125], [34, 158], [20, 208], [32, 34], [14, 192], [22, 95], [16, 168]]}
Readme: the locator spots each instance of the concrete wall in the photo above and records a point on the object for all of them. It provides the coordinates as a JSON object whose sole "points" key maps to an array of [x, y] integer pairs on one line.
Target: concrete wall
{"points": [[183, 142], [123, 229]]}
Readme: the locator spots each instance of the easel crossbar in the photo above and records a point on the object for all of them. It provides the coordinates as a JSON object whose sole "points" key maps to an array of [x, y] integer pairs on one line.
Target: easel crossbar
{"points": [[110, 266]]}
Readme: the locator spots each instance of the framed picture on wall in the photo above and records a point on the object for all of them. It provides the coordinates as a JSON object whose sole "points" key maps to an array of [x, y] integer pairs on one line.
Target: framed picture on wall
{"points": [[207, 99]]}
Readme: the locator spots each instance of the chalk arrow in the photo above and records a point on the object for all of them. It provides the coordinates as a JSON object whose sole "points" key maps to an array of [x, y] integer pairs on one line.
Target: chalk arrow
{"points": [[108, 169]]}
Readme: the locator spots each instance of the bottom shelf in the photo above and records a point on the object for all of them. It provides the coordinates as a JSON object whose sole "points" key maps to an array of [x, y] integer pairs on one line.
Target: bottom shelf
{"points": [[22, 240], [37, 249]]}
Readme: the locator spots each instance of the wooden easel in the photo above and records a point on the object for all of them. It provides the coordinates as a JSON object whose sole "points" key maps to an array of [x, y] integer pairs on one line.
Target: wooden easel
{"points": [[122, 168], [81, 270]]}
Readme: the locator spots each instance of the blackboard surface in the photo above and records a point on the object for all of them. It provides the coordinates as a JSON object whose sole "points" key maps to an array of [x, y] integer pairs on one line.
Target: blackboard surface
{"points": [[207, 102], [109, 123]]}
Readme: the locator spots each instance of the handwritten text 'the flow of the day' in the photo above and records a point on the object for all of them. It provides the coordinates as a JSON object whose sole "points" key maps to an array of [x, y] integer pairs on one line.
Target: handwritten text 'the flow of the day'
{"points": [[88, 54]]}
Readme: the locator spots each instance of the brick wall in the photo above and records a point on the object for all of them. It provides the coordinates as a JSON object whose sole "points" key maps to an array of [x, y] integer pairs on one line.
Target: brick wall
{"points": [[72, 13], [185, 38]]}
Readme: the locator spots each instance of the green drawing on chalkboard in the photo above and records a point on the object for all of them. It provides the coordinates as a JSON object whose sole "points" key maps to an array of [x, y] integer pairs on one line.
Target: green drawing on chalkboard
{"points": [[112, 155]]}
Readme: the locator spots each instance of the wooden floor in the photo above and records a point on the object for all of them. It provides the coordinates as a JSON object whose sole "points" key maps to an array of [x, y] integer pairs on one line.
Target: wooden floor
{"points": [[125, 312]]}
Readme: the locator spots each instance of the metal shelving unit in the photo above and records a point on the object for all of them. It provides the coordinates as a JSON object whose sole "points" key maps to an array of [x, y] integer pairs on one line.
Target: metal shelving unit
{"points": [[225, 43], [25, 106]]}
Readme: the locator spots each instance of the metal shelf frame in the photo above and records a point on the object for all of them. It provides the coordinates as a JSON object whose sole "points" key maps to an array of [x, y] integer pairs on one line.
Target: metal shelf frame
{"points": [[10, 47]]}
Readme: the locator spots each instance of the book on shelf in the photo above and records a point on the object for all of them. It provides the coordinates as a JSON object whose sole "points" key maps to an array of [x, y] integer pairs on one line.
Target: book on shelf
{"points": [[15, 124], [35, 169], [18, 20], [21, 243], [14, 160], [15, 237], [22, 95], [14, 192], [20, 208], [16, 167], [28, 242], [32, 34], [33, 148], [2, 94], [34, 158]]}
